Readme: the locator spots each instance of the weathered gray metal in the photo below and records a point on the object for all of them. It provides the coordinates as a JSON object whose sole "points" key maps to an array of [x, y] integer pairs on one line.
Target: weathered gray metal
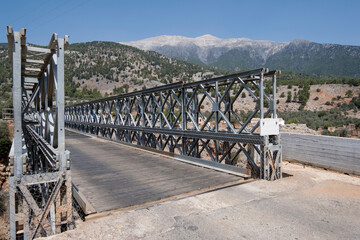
{"points": [[335, 153], [196, 119], [40, 179]]}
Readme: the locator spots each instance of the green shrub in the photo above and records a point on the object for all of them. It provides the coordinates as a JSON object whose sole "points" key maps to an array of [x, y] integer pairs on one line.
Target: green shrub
{"points": [[293, 120], [356, 101], [316, 119], [2, 203], [349, 93], [5, 143], [343, 133], [288, 97]]}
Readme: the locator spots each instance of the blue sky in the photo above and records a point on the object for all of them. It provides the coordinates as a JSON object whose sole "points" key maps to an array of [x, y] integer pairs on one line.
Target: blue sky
{"points": [[88, 20]]}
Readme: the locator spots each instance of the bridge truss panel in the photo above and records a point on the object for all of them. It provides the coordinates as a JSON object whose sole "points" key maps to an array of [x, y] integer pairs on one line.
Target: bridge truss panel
{"points": [[40, 178], [200, 119]]}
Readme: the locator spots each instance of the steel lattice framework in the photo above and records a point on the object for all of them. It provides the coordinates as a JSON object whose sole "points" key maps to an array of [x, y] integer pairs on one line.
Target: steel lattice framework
{"points": [[196, 120], [40, 179]]}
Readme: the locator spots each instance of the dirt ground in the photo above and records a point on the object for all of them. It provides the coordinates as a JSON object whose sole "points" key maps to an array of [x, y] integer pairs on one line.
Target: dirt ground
{"points": [[308, 203]]}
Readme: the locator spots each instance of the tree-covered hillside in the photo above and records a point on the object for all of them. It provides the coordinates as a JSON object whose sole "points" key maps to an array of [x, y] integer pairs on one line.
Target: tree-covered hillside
{"points": [[98, 69], [109, 65]]}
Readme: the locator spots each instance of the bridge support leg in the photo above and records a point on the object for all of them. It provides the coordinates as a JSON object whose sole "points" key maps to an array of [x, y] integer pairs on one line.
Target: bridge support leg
{"points": [[40, 179], [270, 161]]}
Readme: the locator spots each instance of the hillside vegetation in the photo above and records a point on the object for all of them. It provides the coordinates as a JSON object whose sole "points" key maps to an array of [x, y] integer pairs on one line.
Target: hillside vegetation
{"points": [[99, 69], [115, 68]]}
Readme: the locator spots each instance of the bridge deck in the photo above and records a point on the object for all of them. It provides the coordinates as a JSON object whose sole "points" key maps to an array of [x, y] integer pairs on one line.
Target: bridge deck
{"points": [[113, 176]]}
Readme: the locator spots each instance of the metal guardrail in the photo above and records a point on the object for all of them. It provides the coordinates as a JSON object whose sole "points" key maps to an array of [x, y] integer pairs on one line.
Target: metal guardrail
{"points": [[334, 153], [197, 119]]}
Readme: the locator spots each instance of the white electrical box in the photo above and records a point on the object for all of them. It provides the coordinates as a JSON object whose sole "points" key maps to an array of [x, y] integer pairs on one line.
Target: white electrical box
{"points": [[269, 126]]}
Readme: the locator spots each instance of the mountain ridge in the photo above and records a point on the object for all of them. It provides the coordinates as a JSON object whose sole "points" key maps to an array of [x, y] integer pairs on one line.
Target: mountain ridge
{"points": [[236, 54]]}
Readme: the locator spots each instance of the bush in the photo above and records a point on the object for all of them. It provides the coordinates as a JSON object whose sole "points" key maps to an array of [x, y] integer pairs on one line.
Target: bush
{"points": [[282, 95], [316, 98], [289, 97], [2, 203], [5, 143], [318, 90], [343, 133], [314, 120], [4, 129], [356, 101], [349, 93], [293, 120]]}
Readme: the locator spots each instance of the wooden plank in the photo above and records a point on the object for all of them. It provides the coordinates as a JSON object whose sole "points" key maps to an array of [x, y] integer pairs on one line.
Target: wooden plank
{"points": [[128, 199], [82, 201], [113, 176]]}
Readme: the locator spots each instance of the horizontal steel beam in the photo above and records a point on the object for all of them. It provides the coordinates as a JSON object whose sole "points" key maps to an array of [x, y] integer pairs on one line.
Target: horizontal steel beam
{"points": [[247, 75], [220, 136]]}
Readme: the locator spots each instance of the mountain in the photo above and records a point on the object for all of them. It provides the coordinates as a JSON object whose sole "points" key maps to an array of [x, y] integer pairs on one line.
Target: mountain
{"points": [[238, 54], [99, 69], [207, 49], [114, 68]]}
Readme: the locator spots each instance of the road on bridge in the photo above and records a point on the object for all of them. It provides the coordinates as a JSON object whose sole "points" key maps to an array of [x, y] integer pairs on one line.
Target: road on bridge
{"points": [[112, 176], [309, 204]]}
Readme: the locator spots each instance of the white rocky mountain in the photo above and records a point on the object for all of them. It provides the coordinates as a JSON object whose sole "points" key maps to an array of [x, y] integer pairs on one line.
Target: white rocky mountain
{"points": [[206, 48], [237, 54]]}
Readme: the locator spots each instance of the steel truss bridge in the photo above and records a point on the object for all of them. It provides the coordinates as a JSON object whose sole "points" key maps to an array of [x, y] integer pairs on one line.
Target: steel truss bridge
{"points": [[198, 122]]}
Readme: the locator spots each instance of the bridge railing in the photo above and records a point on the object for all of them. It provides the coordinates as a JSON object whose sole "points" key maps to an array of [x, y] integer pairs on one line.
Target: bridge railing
{"points": [[200, 119], [40, 178]]}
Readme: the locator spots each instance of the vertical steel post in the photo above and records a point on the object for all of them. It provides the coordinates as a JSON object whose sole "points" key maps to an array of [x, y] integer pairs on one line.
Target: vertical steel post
{"points": [[216, 110], [17, 142], [17, 95], [60, 102], [183, 117], [274, 96], [12, 214], [262, 95]]}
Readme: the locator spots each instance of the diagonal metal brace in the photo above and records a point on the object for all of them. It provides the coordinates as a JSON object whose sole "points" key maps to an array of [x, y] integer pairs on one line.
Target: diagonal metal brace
{"points": [[49, 203]]}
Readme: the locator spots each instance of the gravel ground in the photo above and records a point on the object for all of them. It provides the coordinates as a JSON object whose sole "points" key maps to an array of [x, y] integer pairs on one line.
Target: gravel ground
{"points": [[310, 204]]}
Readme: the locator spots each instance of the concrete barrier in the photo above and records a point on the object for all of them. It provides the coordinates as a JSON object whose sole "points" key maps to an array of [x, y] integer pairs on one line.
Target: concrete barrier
{"points": [[335, 153]]}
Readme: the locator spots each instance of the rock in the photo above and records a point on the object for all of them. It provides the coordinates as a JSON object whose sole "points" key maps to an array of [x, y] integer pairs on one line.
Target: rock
{"points": [[297, 128]]}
